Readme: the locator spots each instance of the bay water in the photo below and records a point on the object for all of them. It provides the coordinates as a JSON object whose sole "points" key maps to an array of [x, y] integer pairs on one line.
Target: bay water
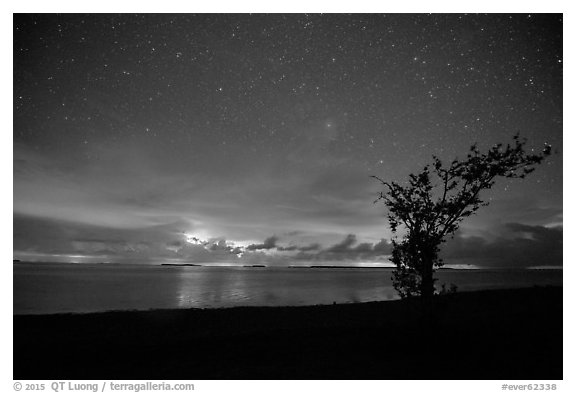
{"points": [[47, 288]]}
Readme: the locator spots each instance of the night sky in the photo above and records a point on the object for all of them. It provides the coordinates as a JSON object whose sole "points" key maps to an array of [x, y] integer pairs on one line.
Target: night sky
{"points": [[241, 139]]}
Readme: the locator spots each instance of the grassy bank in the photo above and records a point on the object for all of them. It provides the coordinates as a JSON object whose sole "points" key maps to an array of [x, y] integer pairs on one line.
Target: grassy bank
{"points": [[503, 334]]}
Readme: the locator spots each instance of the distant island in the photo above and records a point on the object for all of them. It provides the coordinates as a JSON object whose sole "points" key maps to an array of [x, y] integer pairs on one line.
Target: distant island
{"points": [[339, 267], [194, 264]]}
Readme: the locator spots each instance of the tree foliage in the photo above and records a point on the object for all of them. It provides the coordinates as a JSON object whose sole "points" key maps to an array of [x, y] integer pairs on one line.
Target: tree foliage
{"points": [[434, 202]]}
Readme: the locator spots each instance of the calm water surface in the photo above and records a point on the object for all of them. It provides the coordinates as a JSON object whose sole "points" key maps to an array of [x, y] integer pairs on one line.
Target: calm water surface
{"points": [[44, 288]]}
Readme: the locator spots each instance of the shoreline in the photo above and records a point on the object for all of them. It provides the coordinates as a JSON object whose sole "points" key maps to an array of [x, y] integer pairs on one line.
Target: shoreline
{"points": [[494, 334]]}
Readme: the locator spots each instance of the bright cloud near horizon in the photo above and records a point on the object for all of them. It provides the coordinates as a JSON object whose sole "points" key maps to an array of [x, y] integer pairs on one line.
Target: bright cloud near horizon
{"points": [[240, 139]]}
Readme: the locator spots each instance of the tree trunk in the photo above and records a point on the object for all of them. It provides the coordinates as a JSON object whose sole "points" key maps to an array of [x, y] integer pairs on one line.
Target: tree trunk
{"points": [[427, 283]]}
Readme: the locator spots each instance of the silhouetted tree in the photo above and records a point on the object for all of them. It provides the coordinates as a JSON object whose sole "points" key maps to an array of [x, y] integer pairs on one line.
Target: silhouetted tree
{"points": [[434, 202]]}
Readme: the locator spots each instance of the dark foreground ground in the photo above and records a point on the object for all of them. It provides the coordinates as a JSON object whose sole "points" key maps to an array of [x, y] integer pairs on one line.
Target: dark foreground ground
{"points": [[505, 334]]}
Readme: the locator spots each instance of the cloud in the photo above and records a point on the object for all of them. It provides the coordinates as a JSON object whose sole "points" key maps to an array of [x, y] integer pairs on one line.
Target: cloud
{"points": [[517, 245], [42, 236], [268, 244], [221, 245], [309, 247], [133, 186], [383, 247], [287, 248], [511, 245], [344, 245], [347, 250]]}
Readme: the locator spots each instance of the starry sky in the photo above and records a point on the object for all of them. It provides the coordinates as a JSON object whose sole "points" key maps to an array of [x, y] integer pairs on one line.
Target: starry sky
{"points": [[241, 139]]}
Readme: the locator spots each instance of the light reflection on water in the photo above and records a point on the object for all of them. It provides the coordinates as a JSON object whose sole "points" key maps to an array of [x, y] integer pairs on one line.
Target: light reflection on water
{"points": [[197, 288], [52, 288]]}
